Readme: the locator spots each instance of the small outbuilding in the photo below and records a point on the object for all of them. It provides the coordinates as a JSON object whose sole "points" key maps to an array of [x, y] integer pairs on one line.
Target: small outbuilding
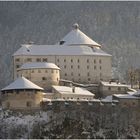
{"points": [[127, 100], [110, 88]]}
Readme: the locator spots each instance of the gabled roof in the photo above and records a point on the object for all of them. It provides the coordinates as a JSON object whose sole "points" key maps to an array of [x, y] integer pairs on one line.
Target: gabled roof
{"points": [[22, 83], [59, 50], [77, 37], [68, 90], [38, 65]]}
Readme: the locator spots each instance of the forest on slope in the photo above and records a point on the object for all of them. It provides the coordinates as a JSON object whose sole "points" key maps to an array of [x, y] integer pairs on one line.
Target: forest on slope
{"points": [[114, 25]]}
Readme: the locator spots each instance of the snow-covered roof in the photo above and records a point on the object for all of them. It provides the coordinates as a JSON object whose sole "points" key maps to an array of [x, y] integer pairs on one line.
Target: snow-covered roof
{"points": [[95, 100], [68, 90], [137, 93], [108, 99], [130, 92], [77, 37], [113, 84], [38, 65], [46, 100], [58, 99], [22, 83], [125, 96], [44, 50]]}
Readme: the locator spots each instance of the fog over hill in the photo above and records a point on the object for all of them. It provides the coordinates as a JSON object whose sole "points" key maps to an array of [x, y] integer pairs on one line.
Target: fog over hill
{"points": [[114, 25]]}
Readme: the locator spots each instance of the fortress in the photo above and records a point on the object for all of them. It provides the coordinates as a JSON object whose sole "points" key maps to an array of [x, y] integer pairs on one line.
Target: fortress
{"points": [[39, 70]]}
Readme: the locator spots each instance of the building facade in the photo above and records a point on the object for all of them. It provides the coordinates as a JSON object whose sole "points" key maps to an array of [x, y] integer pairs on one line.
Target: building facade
{"points": [[80, 58], [110, 88]]}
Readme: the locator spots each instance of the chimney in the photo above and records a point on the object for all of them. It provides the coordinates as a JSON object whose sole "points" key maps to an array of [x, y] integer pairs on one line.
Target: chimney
{"points": [[73, 89]]}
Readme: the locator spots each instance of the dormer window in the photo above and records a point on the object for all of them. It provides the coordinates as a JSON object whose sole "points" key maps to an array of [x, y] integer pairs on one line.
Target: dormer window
{"points": [[61, 42]]}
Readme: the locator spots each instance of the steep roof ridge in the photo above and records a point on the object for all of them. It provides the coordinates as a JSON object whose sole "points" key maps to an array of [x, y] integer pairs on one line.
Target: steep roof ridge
{"points": [[77, 37]]}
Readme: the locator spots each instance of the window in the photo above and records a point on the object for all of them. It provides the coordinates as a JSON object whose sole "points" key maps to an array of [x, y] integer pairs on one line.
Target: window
{"points": [[100, 61], [71, 60], [100, 75], [57, 60], [87, 67], [119, 88], [61, 42], [109, 88], [57, 79], [134, 103], [39, 71], [78, 61], [78, 67], [71, 66], [17, 66], [46, 71], [64, 60], [32, 71], [88, 74], [8, 104], [17, 59], [38, 59], [87, 60], [72, 74], [100, 67], [45, 59], [125, 103], [44, 78], [79, 74], [56, 71], [63, 97], [29, 59], [79, 79], [94, 61], [65, 66], [88, 79], [28, 104], [65, 74], [67, 97], [95, 67], [52, 71]]}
